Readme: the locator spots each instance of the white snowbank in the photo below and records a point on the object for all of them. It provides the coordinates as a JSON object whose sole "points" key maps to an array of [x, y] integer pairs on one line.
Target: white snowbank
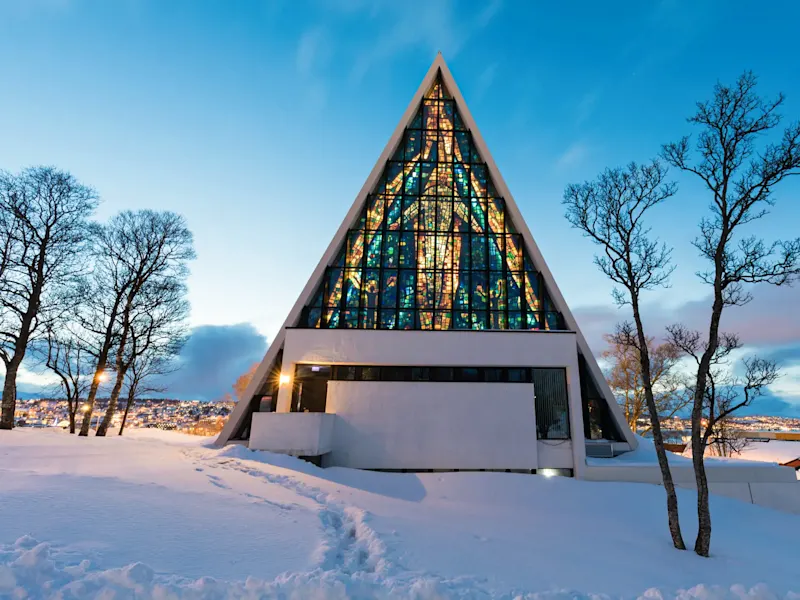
{"points": [[768, 451], [29, 569], [161, 516]]}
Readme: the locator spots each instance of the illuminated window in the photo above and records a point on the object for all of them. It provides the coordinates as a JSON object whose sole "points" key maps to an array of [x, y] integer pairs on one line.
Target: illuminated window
{"points": [[434, 247]]}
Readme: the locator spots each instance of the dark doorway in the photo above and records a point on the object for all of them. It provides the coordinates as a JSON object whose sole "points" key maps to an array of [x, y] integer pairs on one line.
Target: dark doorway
{"points": [[310, 388]]}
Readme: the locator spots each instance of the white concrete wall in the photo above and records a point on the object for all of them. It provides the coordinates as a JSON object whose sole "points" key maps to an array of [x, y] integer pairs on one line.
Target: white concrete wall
{"points": [[417, 425], [446, 348], [780, 496], [298, 434], [766, 485], [684, 474], [555, 454]]}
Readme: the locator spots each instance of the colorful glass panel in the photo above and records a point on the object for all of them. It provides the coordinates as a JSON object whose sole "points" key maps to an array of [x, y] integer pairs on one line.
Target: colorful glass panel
{"points": [[434, 246]]}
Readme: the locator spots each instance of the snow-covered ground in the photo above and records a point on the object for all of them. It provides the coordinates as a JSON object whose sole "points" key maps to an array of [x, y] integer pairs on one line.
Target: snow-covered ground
{"points": [[163, 515], [776, 451], [773, 451], [770, 452]]}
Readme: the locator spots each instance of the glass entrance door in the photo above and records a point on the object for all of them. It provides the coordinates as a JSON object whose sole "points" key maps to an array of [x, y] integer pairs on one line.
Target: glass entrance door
{"points": [[310, 388]]}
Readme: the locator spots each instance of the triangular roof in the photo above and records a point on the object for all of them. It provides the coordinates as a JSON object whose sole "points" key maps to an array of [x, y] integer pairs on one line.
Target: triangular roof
{"points": [[438, 69]]}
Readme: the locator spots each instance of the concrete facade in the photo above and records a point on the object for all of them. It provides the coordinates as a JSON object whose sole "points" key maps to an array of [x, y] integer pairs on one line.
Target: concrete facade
{"points": [[417, 425], [436, 416]]}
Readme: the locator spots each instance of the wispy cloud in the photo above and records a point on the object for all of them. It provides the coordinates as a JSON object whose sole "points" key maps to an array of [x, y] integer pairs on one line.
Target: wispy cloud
{"points": [[436, 26], [484, 81], [586, 106], [573, 155], [489, 11], [308, 50], [312, 55]]}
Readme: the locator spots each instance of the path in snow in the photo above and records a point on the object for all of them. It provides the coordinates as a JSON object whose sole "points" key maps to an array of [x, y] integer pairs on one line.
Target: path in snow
{"points": [[349, 545], [269, 526]]}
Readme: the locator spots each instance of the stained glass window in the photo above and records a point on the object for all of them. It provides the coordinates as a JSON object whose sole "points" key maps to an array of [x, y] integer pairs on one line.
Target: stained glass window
{"points": [[434, 247]]}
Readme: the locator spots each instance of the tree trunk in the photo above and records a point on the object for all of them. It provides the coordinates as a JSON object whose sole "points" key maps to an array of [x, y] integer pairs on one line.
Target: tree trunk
{"points": [[9, 402], [112, 404], [125, 414], [87, 416], [702, 544], [658, 438]]}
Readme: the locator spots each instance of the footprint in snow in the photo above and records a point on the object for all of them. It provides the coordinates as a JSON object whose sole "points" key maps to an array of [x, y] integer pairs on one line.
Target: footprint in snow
{"points": [[217, 482]]}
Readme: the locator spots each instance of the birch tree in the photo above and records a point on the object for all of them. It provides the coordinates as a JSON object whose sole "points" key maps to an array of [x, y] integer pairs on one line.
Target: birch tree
{"points": [[729, 389], [611, 211], [739, 170]]}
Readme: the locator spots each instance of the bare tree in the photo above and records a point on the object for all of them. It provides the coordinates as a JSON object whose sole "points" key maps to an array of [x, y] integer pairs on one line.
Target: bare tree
{"points": [[741, 181], [241, 383], [136, 253], [611, 212], [9, 232], [44, 224], [625, 379], [64, 355], [726, 391], [153, 353], [156, 328]]}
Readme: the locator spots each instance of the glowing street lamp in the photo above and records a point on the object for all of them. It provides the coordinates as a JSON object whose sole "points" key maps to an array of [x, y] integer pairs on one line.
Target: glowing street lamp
{"points": [[101, 377]]}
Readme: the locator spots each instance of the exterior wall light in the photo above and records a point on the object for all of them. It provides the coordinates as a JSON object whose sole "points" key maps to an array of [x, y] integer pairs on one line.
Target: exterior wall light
{"points": [[547, 472], [284, 379]]}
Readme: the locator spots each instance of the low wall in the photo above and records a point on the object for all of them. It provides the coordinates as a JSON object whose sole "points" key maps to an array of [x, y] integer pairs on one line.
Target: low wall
{"points": [[298, 434], [766, 485]]}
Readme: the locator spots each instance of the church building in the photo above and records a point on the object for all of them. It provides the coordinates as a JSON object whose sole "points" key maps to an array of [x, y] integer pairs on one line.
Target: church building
{"points": [[432, 335]]}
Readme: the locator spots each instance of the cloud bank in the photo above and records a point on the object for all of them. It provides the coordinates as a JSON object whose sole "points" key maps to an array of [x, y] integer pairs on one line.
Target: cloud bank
{"points": [[213, 357], [769, 326]]}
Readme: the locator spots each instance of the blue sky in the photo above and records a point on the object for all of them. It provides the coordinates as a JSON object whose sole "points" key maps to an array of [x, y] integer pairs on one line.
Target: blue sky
{"points": [[259, 121]]}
